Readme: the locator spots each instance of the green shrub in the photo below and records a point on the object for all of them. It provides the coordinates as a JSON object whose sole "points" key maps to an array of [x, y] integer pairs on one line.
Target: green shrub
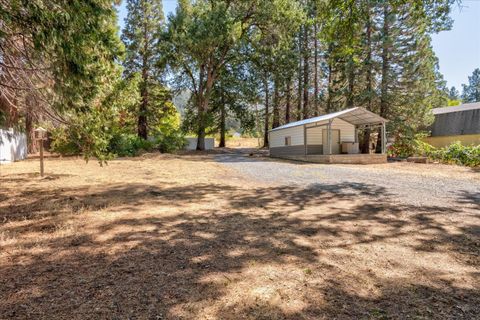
{"points": [[406, 146], [171, 142], [129, 145], [456, 153]]}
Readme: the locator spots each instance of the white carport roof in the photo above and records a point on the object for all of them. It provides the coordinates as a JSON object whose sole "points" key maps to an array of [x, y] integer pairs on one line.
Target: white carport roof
{"points": [[355, 116]]}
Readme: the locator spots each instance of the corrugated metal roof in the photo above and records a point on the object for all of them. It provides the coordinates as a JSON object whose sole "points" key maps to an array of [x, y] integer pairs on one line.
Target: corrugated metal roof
{"points": [[355, 116], [462, 107]]}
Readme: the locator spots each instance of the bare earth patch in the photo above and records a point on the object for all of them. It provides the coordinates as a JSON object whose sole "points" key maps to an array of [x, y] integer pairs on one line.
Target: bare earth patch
{"points": [[184, 237]]}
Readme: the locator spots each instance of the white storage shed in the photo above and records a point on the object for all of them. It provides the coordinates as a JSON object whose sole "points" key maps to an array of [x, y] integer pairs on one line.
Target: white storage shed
{"points": [[318, 139]]}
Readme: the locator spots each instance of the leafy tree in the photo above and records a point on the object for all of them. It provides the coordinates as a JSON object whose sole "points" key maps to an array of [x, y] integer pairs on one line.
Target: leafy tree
{"points": [[204, 36], [232, 97], [142, 33], [471, 91]]}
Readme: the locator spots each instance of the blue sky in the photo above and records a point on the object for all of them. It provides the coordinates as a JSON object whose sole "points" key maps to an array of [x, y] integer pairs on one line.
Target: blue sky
{"points": [[458, 50]]}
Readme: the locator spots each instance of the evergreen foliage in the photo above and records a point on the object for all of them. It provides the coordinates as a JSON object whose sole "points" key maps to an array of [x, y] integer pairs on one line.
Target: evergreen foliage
{"points": [[471, 91], [141, 35], [263, 63]]}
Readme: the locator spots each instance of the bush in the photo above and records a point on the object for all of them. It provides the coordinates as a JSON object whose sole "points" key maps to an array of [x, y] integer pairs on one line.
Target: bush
{"points": [[129, 145], [170, 142], [456, 153], [406, 146]]}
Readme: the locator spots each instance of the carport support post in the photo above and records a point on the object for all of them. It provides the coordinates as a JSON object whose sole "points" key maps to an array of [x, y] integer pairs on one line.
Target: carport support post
{"points": [[384, 138], [329, 137]]}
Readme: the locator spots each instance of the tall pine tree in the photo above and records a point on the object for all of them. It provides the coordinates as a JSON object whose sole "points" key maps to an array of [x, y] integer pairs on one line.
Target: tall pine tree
{"points": [[142, 33]]}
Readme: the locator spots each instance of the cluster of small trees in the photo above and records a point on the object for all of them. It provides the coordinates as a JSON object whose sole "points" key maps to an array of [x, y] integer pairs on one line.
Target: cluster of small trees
{"points": [[264, 63], [470, 91]]}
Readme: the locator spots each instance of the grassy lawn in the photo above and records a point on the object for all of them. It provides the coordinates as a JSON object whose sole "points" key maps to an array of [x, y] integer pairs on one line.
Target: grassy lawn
{"points": [[184, 237]]}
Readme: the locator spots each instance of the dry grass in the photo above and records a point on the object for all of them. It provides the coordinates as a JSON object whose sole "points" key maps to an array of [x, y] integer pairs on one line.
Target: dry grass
{"points": [[182, 237], [241, 142]]}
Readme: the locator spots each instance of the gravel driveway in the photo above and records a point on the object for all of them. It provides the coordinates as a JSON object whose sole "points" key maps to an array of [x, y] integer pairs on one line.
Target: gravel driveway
{"points": [[406, 183]]}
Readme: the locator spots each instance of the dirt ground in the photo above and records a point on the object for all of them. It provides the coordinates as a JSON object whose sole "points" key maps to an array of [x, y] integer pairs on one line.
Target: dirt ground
{"points": [[186, 237]]}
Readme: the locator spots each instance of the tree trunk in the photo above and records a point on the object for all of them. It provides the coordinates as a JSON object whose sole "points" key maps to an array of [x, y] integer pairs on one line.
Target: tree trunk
{"points": [[201, 123], [365, 147], [288, 102], [369, 78], [305, 73], [142, 114], [276, 107], [265, 137], [203, 100], [300, 77], [351, 83], [316, 91], [222, 121], [201, 136], [329, 89], [385, 70]]}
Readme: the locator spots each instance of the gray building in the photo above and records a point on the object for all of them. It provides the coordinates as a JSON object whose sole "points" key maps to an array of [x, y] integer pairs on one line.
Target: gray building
{"points": [[459, 123]]}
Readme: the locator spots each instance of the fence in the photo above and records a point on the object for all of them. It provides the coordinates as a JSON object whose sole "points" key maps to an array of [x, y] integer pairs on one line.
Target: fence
{"points": [[13, 145]]}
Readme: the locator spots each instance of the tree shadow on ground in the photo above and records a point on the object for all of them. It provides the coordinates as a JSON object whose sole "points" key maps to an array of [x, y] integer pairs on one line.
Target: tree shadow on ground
{"points": [[468, 197], [177, 264], [393, 301]]}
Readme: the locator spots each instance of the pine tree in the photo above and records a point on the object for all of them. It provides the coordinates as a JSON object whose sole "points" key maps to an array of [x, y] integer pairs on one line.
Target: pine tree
{"points": [[142, 33], [453, 94], [471, 91]]}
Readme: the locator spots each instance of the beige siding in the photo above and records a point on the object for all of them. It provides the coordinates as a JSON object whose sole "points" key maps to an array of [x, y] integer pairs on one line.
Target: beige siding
{"points": [[277, 138], [347, 130], [314, 135]]}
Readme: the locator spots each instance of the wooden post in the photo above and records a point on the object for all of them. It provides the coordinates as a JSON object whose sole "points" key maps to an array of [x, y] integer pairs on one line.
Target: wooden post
{"points": [[40, 136], [356, 134], [41, 158]]}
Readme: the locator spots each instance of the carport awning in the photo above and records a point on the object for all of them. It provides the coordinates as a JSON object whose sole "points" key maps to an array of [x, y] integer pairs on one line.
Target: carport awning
{"points": [[355, 116]]}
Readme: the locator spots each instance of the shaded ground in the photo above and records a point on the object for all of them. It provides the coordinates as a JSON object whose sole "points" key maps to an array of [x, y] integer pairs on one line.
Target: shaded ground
{"points": [[187, 237]]}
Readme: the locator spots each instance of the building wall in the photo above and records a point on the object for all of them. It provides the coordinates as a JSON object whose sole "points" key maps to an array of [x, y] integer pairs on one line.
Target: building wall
{"points": [[457, 123], [347, 130], [13, 146], [277, 138], [314, 138], [443, 141]]}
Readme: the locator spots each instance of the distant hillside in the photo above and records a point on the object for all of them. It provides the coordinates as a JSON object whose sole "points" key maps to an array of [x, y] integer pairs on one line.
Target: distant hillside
{"points": [[180, 100]]}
